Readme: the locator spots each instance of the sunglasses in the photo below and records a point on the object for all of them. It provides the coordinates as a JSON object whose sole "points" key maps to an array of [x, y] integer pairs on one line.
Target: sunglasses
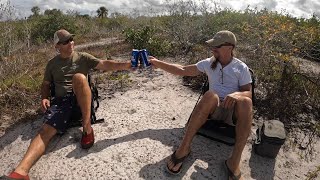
{"points": [[66, 42], [225, 44]]}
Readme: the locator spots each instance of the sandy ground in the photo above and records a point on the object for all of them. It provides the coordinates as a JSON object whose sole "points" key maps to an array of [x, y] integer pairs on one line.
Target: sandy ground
{"points": [[142, 127]]}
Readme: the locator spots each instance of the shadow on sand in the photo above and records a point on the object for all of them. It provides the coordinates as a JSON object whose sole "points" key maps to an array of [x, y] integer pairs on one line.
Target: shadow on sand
{"points": [[261, 167], [29, 127], [25, 128], [211, 152]]}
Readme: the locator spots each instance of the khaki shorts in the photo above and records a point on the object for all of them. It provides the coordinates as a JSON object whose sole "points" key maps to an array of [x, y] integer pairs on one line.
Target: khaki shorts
{"points": [[225, 115]]}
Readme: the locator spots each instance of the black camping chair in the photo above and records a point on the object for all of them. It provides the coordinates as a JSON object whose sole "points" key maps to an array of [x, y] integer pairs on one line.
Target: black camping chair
{"points": [[217, 130], [76, 117]]}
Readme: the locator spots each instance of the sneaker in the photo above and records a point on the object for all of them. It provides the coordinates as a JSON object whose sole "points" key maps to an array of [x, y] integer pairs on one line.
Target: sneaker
{"points": [[87, 140]]}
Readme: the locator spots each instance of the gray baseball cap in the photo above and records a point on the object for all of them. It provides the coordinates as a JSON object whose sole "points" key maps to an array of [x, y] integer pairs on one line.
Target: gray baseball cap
{"points": [[222, 37]]}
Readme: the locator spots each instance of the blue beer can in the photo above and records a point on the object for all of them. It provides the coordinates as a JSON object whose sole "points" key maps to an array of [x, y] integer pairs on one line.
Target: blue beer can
{"points": [[134, 58], [144, 56]]}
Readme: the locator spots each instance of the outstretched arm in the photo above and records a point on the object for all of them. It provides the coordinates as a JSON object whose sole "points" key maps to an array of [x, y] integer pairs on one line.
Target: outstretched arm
{"points": [[111, 65], [189, 70]]}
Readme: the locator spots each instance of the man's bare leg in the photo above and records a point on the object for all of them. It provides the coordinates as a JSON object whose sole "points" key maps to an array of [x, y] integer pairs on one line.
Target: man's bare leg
{"points": [[207, 104], [82, 91], [36, 149], [243, 111]]}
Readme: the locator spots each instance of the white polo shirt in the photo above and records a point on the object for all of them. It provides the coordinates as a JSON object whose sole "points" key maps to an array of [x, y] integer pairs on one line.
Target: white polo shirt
{"points": [[225, 80]]}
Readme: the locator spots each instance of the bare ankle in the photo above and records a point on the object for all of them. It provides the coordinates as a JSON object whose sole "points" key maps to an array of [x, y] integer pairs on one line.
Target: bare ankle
{"points": [[233, 167], [87, 129], [21, 171], [182, 151]]}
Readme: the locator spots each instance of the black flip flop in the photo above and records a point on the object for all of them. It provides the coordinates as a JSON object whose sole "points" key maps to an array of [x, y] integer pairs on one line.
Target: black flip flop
{"points": [[176, 161], [230, 173]]}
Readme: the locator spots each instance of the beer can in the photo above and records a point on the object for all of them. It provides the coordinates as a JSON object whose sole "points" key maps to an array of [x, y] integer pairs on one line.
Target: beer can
{"points": [[144, 57], [134, 58]]}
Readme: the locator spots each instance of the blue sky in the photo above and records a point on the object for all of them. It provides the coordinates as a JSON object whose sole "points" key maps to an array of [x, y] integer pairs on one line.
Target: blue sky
{"points": [[296, 8]]}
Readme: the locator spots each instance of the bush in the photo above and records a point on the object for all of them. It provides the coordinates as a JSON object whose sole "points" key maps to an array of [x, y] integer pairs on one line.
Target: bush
{"points": [[43, 27], [146, 38]]}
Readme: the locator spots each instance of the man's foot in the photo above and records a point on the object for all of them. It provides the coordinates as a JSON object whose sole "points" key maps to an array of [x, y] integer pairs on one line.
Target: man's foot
{"points": [[15, 176], [231, 174], [174, 162], [87, 140]]}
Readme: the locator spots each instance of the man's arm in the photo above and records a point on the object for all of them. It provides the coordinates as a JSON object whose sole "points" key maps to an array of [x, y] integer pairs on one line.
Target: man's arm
{"points": [[189, 70], [245, 91], [45, 93], [111, 65], [45, 90], [230, 100]]}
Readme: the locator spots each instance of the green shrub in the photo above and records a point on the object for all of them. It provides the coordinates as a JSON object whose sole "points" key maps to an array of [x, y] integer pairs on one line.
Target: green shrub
{"points": [[146, 38], [43, 27]]}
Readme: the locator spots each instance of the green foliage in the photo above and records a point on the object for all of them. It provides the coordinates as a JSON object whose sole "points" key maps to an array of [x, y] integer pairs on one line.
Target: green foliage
{"points": [[43, 27], [139, 38], [29, 83], [83, 25], [35, 11], [145, 38], [117, 21]]}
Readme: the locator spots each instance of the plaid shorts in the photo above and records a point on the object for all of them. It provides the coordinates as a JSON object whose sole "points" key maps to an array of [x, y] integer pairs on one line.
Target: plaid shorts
{"points": [[59, 114]]}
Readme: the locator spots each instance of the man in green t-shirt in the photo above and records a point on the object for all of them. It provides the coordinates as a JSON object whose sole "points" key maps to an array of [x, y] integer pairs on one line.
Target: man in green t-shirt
{"points": [[68, 71]]}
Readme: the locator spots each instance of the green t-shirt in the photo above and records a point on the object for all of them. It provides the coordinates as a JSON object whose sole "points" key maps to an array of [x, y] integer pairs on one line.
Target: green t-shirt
{"points": [[60, 71]]}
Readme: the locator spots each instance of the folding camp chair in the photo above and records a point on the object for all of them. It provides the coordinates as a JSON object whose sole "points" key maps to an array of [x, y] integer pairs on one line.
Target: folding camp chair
{"points": [[216, 129], [76, 117]]}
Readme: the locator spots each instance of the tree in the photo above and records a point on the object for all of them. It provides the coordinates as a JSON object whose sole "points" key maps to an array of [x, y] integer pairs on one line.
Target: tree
{"points": [[55, 12], [102, 12], [44, 27], [35, 10]]}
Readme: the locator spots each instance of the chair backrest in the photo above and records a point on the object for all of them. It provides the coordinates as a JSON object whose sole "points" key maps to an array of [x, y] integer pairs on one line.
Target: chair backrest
{"points": [[95, 93]]}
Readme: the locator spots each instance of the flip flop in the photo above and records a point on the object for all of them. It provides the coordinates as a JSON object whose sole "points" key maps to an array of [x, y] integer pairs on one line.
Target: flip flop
{"points": [[176, 161], [230, 173]]}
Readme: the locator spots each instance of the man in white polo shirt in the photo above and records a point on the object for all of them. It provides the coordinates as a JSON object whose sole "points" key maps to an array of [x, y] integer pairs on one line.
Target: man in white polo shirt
{"points": [[229, 97]]}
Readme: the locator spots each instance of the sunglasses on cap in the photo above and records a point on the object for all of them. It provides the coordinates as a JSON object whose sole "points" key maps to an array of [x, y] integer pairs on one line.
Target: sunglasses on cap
{"points": [[225, 44], [66, 42]]}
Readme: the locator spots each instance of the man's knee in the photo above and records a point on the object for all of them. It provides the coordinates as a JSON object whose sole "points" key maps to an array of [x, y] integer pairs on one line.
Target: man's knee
{"points": [[79, 78], [244, 104], [211, 96], [243, 110], [209, 102], [80, 82], [47, 132]]}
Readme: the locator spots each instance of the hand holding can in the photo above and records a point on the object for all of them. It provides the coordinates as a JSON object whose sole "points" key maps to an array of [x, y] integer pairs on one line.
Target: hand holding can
{"points": [[135, 58], [144, 56]]}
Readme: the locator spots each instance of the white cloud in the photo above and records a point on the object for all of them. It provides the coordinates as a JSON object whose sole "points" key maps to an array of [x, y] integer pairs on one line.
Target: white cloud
{"points": [[298, 8]]}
